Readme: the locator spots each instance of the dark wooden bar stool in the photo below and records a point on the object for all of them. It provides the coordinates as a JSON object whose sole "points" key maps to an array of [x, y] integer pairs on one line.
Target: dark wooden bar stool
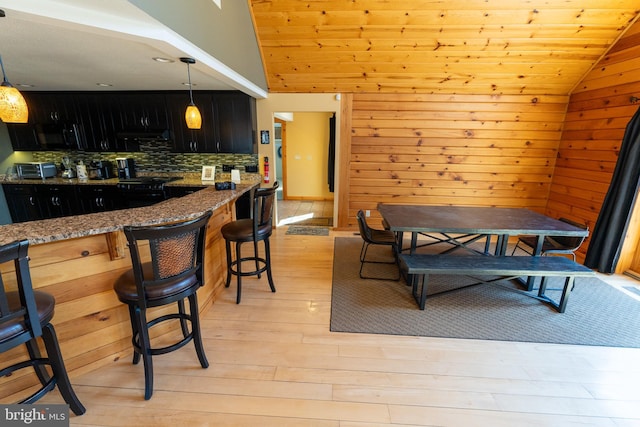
{"points": [[25, 315], [255, 229], [173, 274]]}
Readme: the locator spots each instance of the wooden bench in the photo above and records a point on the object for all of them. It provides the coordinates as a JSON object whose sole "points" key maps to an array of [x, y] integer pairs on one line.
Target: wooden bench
{"points": [[419, 266]]}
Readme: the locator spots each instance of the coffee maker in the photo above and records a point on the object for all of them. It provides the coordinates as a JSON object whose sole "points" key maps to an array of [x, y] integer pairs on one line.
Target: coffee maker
{"points": [[101, 169], [126, 168]]}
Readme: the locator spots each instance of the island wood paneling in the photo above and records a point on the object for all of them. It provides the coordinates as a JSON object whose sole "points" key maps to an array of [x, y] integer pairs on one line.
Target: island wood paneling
{"points": [[473, 150], [599, 109], [92, 325]]}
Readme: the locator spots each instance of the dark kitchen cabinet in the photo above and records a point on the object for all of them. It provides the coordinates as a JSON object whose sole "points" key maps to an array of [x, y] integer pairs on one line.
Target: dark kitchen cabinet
{"points": [[46, 108], [100, 198], [23, 136], [141, 112], [118, 121], [235, 122], [228, 123], [23, 202], [186, 140], [97, 111], [58, 200], [53, 124]]}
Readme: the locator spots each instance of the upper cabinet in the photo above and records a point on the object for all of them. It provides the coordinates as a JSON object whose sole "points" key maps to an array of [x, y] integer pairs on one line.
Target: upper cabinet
{"points": [[53, 124], [229, 123], [97, 117], [142, 112], [186, 140], [118, 121], [52, 108], [235, 122]]}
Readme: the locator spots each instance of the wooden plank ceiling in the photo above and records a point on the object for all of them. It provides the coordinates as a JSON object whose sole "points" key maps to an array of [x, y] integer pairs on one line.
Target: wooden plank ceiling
{"points": [[436, 46]]}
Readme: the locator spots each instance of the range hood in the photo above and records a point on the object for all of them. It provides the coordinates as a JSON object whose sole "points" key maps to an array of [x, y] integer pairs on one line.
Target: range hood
{"points": [[134, 135]]}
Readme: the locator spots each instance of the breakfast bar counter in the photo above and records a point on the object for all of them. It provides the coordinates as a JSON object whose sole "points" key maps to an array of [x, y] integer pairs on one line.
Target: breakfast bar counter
{"points": [[78, 258]]}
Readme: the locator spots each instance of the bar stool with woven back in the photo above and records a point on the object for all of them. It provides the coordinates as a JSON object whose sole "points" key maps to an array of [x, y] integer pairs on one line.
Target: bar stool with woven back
{"points": [[255, 229], [173, 273], [25, 316]]}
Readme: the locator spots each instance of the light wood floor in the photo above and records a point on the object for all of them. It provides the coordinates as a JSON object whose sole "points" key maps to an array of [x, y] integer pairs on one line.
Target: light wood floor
{"points": [[275, 363]]}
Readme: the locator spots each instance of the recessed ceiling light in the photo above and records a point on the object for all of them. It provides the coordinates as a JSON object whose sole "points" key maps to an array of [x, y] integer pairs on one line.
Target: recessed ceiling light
{"points": [[163, 60], [104, 84], [187, 84], [24, 85]]}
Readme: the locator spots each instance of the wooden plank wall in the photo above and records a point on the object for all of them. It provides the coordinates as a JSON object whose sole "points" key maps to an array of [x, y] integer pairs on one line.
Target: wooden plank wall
{"points": [[598, 112], [432, 149]]}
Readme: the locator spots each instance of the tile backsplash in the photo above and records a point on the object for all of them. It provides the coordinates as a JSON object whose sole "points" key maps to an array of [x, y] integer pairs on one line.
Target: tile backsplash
{"points": [[154, 156]]}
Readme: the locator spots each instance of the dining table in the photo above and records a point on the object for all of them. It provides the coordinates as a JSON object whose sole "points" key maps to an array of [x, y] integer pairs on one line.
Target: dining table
{"points": [[474, 221], [459, 226]]}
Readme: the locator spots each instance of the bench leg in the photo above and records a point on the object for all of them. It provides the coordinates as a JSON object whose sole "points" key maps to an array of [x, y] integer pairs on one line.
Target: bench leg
{"points": [[422, 280], [562, 304], [568, 285]]}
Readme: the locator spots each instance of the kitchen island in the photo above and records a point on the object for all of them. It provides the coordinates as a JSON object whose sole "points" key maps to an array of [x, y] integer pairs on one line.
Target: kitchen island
{"points": [[77, 259]]}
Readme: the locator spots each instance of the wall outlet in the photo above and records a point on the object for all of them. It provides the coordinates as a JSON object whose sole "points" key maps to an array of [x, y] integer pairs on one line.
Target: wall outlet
{"points": [[367, 213]]}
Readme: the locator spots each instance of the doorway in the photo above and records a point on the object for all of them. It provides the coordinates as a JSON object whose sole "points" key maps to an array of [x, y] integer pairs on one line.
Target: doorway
{"points": [[302, 141]]}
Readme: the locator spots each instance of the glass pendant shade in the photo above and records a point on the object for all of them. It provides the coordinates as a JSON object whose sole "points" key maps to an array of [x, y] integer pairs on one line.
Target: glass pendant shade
{"points": [[13, 107], [193, 117]]}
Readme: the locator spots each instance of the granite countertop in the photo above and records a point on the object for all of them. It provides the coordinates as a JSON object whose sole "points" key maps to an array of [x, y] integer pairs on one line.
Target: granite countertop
{"points": [[187, 179], [176, 209]]}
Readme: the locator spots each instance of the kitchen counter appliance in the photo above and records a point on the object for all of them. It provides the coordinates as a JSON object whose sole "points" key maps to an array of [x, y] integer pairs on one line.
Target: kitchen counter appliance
{"points": [[102, 169], [36, 170], [144, 190], [126, 167]]}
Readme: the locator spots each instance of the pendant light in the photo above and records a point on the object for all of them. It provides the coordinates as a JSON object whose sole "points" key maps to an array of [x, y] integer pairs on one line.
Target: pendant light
{"points": [[13, 107], [192, 115]]}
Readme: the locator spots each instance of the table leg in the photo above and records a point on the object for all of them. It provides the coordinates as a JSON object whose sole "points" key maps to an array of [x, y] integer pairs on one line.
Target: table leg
{"points": [[536, 252]]}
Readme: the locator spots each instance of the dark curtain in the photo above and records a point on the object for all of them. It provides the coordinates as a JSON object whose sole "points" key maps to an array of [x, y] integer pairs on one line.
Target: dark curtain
{"points": [[332, 151], [611, 226]]}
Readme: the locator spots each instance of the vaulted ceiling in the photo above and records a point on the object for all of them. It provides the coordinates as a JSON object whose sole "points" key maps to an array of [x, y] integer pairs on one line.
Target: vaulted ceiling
{"points": [[405, 46], [436, 46]]}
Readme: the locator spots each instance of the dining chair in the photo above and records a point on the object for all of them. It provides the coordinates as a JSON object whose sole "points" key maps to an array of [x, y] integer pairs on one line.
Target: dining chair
{"points": [[553, 245], [256, 229], [373, 236], [174, 273], [25, 316]]}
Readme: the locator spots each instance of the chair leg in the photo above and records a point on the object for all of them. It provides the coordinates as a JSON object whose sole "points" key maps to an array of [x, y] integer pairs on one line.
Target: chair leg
{"points": [[145, 349], [515, 248], [255, 254], [183, 319], [229, 274], [363, 254], [34, 353], [267, 258], [363, 261], [134, 334], [238, 271], [195, 330], [59, 370]]}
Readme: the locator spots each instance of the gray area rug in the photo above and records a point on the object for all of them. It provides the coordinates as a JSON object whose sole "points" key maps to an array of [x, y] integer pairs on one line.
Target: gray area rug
{"points": [[597, 314], [308, 230]]}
